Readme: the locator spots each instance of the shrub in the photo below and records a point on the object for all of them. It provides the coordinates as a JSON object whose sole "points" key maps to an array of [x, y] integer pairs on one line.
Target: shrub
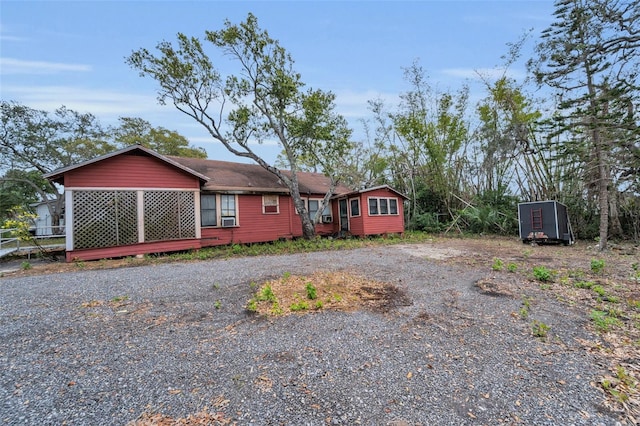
{"points": [[597, 265], [312, 293], [542, 273], [498, 264]]}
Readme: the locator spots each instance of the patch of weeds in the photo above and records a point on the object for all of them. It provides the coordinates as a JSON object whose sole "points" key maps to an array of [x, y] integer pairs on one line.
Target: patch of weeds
{"points": [[498, 265], [634, 303], [312, 292], [337, 297], [25, 266], [253, 284], [119, 299], [603, 322], [545, 286], [526, 305], [597, 266], [540, 329], [599, 290], [612, 299], [252, 305], [236, 249], [542, 273], [286, 276], [300, 305], [319, 304], [80, 264], [576, 273], [512, 267], [215, 286], [276, 309], [636, 271], [217, 304], [526, 253], [266, 294], [584, 284]]}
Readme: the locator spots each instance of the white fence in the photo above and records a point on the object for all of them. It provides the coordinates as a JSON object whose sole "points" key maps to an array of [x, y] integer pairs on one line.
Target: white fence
{"points": [[11, 244]]}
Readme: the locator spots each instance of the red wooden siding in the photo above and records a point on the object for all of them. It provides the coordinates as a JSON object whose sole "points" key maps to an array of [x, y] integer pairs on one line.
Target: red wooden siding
{"points": [[132, 250], [130, 171], [256, 227], [381, 224], [356, 224]]}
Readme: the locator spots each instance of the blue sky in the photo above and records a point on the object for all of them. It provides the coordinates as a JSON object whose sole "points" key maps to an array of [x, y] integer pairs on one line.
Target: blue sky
{"points": [[55, 53]]}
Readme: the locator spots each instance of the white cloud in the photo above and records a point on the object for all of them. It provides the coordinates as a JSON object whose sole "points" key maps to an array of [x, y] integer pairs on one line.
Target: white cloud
{"points": [[19, 66]]}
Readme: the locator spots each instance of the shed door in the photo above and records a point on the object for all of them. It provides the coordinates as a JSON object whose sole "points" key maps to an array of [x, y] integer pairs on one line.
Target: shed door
{"points": [[344, 215]]}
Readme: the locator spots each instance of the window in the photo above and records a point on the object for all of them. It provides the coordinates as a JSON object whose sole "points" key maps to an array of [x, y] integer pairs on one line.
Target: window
{"points": [[383, 206], [313, 205], [218, 210], [227, 207], [355, 207], [270, 204], [208, 213], [373, 206]]}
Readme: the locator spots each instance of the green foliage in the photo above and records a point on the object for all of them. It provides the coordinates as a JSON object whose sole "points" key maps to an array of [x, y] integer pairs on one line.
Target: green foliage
{"points": [[584, 284], [540, 329], [597, 265], [311, 291], [300, 305], [603, 321], [498, 265], [427, 222], [25, 265], [542, 273], [217, 304], [286, 276], [599, 290], [138, 131], [266, 294], [512, 267]]}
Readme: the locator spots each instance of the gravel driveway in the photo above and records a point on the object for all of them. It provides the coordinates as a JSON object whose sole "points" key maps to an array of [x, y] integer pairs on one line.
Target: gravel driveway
{"points": [[104, 347]]}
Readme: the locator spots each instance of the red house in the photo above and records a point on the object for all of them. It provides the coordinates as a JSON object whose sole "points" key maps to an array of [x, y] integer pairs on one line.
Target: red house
{"points": [[136, 201]]}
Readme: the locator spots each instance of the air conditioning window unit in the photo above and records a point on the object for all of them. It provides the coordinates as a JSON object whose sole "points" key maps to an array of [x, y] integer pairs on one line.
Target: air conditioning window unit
{"points": [[327, 219], [228, 221]]}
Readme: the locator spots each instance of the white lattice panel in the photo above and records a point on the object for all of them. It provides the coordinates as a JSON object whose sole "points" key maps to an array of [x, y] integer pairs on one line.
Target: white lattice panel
{"points": [[104, 218], [169, 215]]}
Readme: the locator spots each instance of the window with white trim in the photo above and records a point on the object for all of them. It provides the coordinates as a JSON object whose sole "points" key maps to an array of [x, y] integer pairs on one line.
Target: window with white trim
{"points": [[218, 210], [313, 204], [382, 206], [270, 204]]}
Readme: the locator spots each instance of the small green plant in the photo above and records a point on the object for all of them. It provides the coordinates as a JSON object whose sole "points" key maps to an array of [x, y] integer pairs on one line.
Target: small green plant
{"points": [[266, 294], [312, 292], [118, 299], [542, 273], [337, 297], [217, 304], [80, 264], [319, 304], [215, 286], [276, 309], [597, 265], [253, 285], [584, 284], [300, 305], [599, 290], [526, 305], [498, 265], [603, 321], [540, 329], [25, 266], [512, 267], [286, 276], [252, 305]]}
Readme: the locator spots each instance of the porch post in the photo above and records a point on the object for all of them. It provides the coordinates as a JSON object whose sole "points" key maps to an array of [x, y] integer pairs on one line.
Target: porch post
{"points": [[68, 220]]}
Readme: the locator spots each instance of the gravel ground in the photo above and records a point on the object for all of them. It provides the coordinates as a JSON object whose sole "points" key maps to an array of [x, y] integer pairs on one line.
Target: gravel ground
{"points": [[443, 352]]}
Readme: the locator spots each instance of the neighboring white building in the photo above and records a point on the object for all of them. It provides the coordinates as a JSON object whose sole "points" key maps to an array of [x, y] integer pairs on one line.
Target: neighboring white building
{"points": [[43, 221]]}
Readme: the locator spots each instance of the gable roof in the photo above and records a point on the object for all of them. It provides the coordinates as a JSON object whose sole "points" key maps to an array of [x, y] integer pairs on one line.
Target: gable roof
{"points": [[242, 177], [218, 175], [57, 174]]}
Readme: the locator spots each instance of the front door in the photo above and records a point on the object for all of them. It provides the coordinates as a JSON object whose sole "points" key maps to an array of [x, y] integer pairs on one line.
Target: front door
{"points": [[344, 215]]}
